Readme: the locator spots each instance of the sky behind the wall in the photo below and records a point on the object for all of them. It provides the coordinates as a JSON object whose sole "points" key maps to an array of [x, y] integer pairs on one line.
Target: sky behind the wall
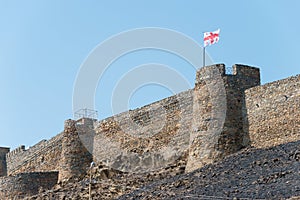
{"points": [[44, 43]]}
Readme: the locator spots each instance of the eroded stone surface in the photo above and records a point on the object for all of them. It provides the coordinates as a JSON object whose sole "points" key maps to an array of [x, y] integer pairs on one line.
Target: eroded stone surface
{"points": [[221, 115], [273, 112]]}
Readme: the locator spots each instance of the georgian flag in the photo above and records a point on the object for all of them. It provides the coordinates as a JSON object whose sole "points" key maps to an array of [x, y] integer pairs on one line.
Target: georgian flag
{"points": [[211, 37]]}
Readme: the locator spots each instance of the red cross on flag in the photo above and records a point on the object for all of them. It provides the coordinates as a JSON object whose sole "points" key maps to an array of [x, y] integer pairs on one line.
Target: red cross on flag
{"points": [[211, 37]]}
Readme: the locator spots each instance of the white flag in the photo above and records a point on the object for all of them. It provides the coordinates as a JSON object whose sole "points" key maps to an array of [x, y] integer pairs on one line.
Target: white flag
{"points": [[211, 37]]}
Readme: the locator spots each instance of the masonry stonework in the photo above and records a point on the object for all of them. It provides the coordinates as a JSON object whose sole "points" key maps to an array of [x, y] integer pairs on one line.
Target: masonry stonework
{"points": [[75, 158], [42, 157], [218, 113], [3, 165], [273, 113], [222, 114], [147, 138], [26, 184]]}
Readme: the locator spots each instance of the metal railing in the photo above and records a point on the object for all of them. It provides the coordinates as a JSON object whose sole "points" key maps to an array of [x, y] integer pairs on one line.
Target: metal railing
{"points": [[86, 113]]}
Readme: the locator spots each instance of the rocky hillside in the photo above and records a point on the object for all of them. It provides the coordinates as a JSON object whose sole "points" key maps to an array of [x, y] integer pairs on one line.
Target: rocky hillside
{"points": [[272, 173], [108, 183]]}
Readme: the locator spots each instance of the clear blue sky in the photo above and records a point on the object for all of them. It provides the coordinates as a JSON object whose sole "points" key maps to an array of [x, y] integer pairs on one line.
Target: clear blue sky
{"points": [[43, 44]]}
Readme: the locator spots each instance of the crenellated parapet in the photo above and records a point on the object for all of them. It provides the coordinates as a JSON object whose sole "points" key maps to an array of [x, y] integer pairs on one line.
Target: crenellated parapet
{"points": [[43, 156], [16, 151]]}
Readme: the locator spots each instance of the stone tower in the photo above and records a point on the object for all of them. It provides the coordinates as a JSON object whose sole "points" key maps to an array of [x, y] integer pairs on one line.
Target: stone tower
{"points": [[75, 156], [3, 166], [218, 113]]}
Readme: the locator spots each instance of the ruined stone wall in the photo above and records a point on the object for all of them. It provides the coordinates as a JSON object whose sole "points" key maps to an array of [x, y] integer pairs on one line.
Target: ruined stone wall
{"points": [[3, 166], [273, 112], [26, 184], [146, 138], [44, 156]]}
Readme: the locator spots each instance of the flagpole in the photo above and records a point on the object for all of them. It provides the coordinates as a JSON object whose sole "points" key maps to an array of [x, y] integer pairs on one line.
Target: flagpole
{"points": [[209, 39], [204, 56]]}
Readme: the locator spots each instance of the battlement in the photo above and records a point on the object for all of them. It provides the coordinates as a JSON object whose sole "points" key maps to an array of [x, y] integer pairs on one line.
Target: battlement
{"points": [[81, 124], [17, 150], [31, 158], [220, 70], [245, 71], [69, 123], [87, 122]]}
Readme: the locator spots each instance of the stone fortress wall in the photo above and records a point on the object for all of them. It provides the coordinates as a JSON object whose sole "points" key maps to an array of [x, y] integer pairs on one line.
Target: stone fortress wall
{"points": [[273, 113], [221, 115], [25, 184], [42, 157], [146, 138]]}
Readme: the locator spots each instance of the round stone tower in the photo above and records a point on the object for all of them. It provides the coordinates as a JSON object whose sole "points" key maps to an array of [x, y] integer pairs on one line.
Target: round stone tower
{"points": [[219, 112], [75, 158]]}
